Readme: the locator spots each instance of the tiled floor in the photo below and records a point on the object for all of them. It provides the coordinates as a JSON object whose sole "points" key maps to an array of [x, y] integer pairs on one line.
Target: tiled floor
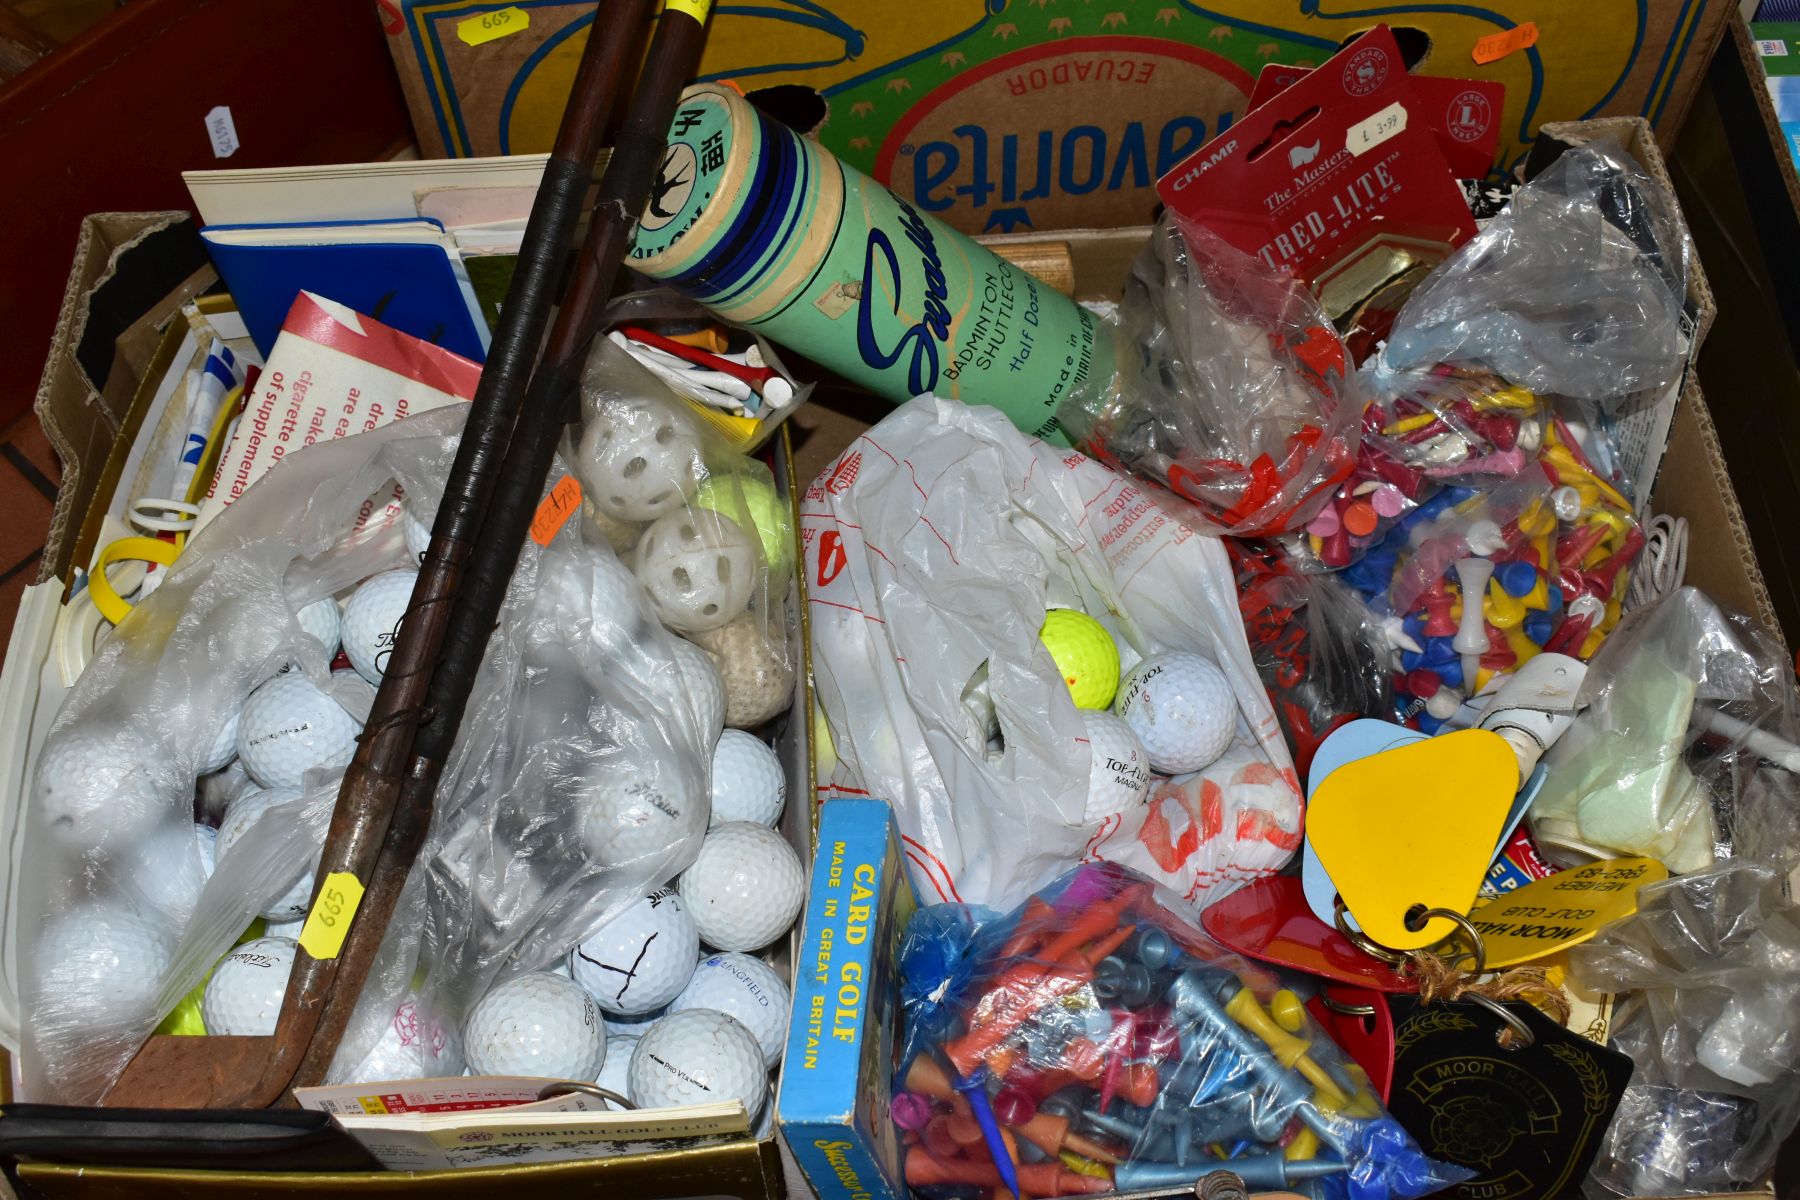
{"points": [[29, 474]]}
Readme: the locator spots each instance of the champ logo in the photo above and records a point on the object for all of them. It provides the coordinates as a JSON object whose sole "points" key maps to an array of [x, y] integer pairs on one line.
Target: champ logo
{"points": [[1299, 156], [1071, 132]]}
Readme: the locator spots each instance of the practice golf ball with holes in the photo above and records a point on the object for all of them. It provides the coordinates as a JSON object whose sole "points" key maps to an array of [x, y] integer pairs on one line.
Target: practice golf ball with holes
{"points": [[635, 813], [246, 811], [698, 567], [243, 997], [372, 620], [218, 753], [540, 1025], [745, 887], [1118, 766], [698, 1057], [638, 458], [413, 1045], [758, 677], [101, 963], [288, 727], [1182, 709], [641, 959], [615, 1075], [323, 621], [747, 781], [100, 789], [746, 988], [1085, 655]]}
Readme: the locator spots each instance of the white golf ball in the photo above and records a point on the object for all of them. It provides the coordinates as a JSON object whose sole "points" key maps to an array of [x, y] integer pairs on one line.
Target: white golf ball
{"points": [[744, 888], [206, 838], [700, 685], [1182, 709], [286, 929], [101, 963], [641, 958], [635, 813], [99, 789], [615, 1075], [1119, 768], [372, 620], [243, 997], [538, 1025], [638, 459], [246, 811], [168, 868], [698, 1057], [699, 568], [746, 988], [323, 621], [413, 1045], [416, 533], [633, 1026], [747, 781], [222, 749], [290, 726]]}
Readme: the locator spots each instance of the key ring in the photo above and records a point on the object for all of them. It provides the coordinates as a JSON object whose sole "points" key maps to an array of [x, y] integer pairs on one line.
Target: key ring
{"points": [[1519, 1027], [1415, 917], [551, 1090], [1346, 1010], [1361, 940]]}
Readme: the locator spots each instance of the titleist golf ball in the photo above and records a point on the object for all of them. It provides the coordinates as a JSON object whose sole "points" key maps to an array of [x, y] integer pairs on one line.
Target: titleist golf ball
{"points": [[246, 811], [372, 620], [744, 888], [1118, 766], [640, 959], [243, 997], [101, 963], [698, 1057], [699, 568], [98, 789], [1182, 709], [322, 620], [289, 726], [635, 813], [638, 458], [747, 780], [540, 1025], [746, 988], [413, 1045]]}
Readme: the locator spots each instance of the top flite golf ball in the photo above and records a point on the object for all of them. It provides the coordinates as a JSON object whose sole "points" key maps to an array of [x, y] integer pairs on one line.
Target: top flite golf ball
{"points": [[540, 1025], [1182, 709], [1085, 654], [372, 620], [243, 997], [1119, 768], [698, 1057], [747, 782], [290, 726], [746, 988], [640, 959], [744, 888]]}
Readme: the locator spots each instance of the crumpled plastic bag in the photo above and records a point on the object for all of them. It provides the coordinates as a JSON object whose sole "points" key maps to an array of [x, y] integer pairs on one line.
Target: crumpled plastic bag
{"points": [[933, 547]]}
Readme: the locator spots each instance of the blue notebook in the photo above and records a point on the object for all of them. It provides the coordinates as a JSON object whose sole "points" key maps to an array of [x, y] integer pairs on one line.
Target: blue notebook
{"points": [[404, 273]]}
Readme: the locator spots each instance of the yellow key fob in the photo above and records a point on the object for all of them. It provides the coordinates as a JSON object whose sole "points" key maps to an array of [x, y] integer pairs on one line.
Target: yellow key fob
{"points": [[1563, 910], [1413, 826]]}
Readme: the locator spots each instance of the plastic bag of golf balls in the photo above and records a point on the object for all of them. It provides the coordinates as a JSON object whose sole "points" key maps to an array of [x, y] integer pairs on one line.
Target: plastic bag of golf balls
{"points": [[1036, 663], [213, 704], [1235, 393], [1092, 1041]]}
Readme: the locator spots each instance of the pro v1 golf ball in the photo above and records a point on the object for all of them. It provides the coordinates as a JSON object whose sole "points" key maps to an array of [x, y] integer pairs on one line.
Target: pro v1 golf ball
{"points": [[372, 620], [698, 1057], [1085, 654], [747, 780], [746, 988], [641, 958], [290, 726], [744, 888], [1182, 709], [541, 1025], [1118, 766], [243, 997]]}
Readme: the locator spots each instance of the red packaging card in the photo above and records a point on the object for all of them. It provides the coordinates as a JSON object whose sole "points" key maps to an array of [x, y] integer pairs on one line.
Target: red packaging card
{"points": [[1463, 113], [1337, 179]]}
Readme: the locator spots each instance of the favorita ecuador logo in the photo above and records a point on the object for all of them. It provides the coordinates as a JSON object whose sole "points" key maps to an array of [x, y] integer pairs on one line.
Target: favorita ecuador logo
{"points": [[1043, 137]]}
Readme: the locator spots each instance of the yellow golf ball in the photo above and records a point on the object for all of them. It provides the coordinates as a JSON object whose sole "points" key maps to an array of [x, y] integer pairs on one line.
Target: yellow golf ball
{"points": [[753, 504], [1084, 653]]}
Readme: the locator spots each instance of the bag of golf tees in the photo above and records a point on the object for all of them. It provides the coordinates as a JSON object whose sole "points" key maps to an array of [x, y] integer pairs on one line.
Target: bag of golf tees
{"points": [[936, 548]]}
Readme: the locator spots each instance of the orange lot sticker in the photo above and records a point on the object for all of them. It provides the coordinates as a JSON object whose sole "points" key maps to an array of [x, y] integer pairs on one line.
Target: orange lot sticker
{"points": [[557, 508], [1496, 46]]}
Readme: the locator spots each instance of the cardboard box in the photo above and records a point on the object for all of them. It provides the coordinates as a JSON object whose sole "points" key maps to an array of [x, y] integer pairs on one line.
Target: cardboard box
{"points": [[1001, 117], [841, 1042]]}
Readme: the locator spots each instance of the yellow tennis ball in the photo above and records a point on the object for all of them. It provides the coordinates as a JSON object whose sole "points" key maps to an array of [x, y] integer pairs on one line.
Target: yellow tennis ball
{"points": [[754, 504], [1084, 653]]}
